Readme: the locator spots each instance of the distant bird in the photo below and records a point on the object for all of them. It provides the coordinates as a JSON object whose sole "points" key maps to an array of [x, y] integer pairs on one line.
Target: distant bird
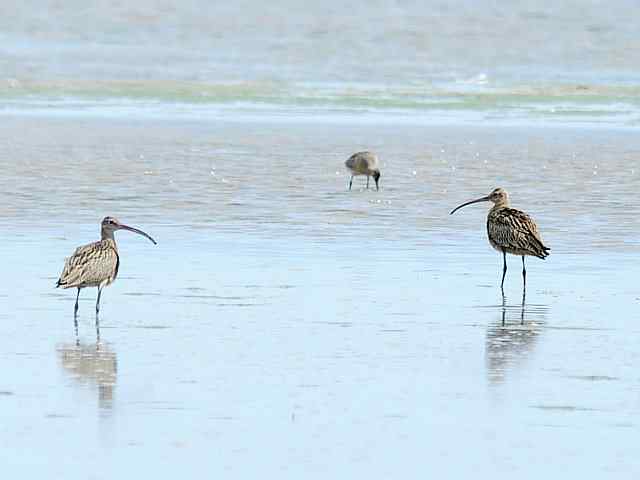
{"points": [[510, 231], [363, 163], [95, 264]]}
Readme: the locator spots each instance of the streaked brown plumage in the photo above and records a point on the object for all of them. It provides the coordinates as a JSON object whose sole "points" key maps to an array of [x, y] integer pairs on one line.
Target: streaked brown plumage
{"points": [[91, 265], [515, 232], [511, 231], [363, 163], [95, 264]]}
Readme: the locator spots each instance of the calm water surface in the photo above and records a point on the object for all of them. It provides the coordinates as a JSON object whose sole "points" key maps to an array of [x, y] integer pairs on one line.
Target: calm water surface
{"points": [[284, 326]]}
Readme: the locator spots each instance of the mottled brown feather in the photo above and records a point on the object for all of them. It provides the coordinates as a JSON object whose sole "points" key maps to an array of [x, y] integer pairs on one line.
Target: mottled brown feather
{"points": [[91, 265], [515, 232], [362, 163]]}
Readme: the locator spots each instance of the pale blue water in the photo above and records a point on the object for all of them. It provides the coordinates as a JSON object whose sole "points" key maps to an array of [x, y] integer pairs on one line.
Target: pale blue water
{"points": [[286, 327], [283, 326], [458, 61]]}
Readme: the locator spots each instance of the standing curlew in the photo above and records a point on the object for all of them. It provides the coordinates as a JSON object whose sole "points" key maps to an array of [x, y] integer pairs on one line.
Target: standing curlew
{"points": [[363, 163], [510, 231], [95, 264]]}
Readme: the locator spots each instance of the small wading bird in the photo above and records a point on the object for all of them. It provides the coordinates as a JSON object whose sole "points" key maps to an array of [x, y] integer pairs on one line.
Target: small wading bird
{"points": [[363, 163], [95, 264], [510, 231]]}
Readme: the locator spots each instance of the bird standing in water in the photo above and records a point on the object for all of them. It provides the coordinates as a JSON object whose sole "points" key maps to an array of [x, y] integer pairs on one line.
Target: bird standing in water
{"points": [[363, 163], [510, 231], [95, 264]]}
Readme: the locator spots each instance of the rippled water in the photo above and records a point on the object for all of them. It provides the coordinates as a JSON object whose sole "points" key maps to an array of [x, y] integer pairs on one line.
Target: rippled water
{"points": [[285, 326], [447, 61]]}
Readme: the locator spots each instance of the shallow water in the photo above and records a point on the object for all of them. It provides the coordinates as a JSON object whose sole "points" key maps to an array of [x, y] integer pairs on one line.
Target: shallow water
{"points": [[285, 326]]}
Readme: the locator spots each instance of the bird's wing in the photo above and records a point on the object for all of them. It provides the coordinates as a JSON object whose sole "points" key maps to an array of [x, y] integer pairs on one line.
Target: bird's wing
{"points": [[89, 265], [362, 161], [371, 160], [514, 229]]}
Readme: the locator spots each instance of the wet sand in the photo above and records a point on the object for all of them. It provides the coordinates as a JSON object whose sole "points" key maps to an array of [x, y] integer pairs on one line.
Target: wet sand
{"points": [[286, 327]]}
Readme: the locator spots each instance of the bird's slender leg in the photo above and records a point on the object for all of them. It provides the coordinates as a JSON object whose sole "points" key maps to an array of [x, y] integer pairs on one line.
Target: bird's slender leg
{"points": [[504, 308], [524, 290], [97, 316], [98, 302], [350, 182], [504, 269], [367, 181], [75, 309], [75, 318]]}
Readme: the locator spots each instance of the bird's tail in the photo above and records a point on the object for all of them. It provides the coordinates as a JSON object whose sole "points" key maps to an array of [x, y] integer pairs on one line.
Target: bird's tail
{"points": [[543, 253]]}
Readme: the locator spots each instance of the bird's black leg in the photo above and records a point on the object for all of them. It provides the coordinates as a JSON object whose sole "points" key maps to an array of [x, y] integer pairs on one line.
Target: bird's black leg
{"points": [[504, 308], [97, 316], [524, 290], [75, 317], [350, 182], [367, 181], [75, 309], [504, 269], [98, 302]]}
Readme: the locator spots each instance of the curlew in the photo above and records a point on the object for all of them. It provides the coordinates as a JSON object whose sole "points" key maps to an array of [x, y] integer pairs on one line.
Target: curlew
{"points": [[510, 231], [95, 264], [363, 163]]}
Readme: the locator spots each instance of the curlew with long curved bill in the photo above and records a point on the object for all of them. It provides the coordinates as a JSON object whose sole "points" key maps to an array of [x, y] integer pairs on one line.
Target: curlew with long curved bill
{"points": [[510, 231], [363, 163], [95, 264]]}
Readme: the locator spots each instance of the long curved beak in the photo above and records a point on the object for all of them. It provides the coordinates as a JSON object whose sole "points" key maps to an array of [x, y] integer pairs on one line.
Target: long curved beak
{"points": [[477, 200], [135, 230]]}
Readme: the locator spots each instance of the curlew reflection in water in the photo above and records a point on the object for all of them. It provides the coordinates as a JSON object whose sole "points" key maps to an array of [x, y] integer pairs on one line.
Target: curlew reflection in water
{"points": [[94, 365], [512, 338], [76, 329]]}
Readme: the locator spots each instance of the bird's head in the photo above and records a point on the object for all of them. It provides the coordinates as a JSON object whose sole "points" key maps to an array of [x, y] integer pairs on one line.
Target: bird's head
{"points": [[111, 224], [498, 196]]}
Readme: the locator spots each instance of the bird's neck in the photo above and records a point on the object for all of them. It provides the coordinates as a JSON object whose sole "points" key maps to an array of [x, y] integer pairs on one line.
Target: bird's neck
{"points": [[501, 205], [107, 236]]}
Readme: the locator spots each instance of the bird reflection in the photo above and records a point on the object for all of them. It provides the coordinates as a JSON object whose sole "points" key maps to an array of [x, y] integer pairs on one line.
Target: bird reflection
{"points": [[512, 339], [75, 327], [94, 365]]}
